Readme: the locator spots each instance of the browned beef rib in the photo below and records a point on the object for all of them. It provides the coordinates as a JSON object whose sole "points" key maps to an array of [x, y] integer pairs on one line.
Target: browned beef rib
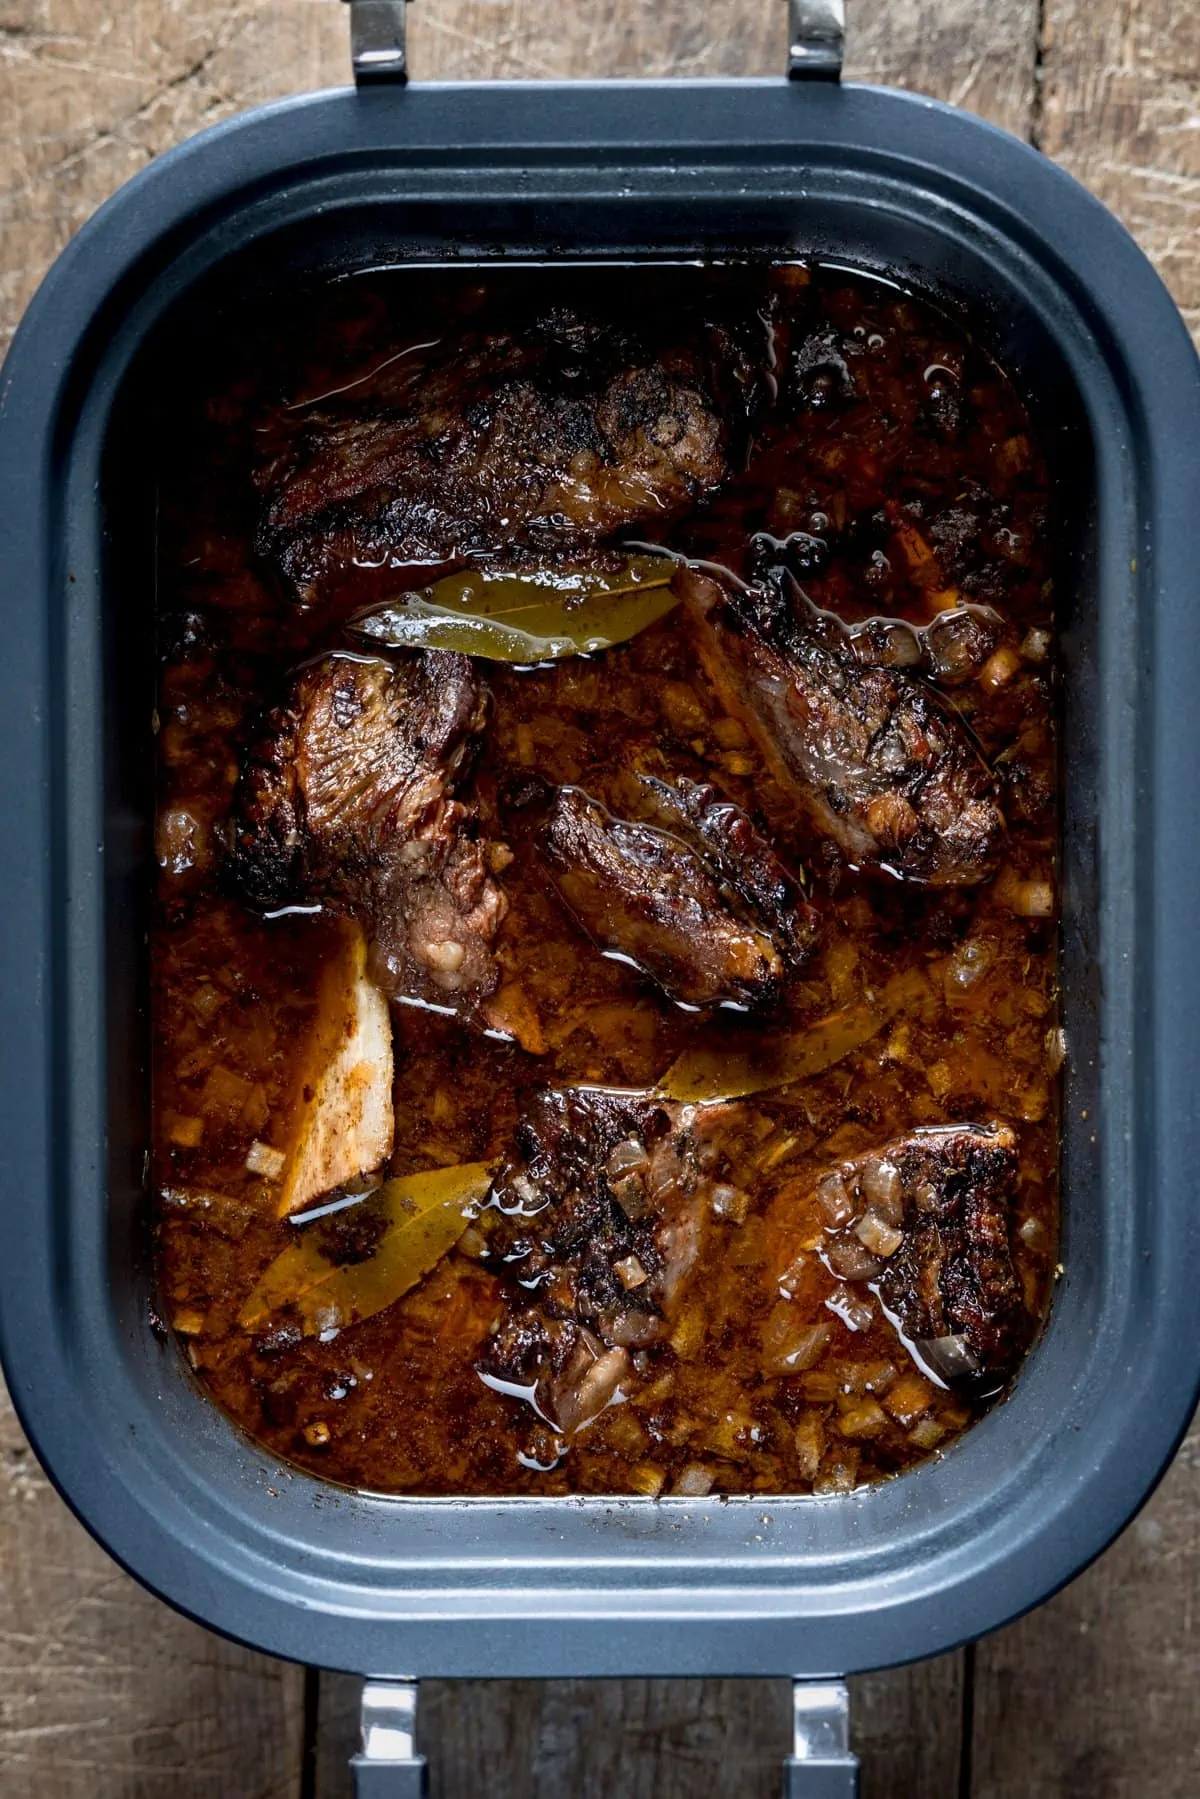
{"points": [[926, 1220], [884, 766], [546, 440], [697, 810], [600, 1216], [645, 894], [347, 796]]}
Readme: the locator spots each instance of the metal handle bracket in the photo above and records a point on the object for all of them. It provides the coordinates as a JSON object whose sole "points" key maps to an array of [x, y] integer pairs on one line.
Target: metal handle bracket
{"points": [[379, 29], [821, 1766], [388, 1766], [378, 40], [816, 39]]}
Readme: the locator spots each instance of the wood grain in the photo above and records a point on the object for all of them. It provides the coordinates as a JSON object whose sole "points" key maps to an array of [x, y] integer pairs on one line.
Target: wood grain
{"points": [[107, 1694], [89, 93], [979, 56], [655, 1739], [1121, 109], [1097, 1694]]}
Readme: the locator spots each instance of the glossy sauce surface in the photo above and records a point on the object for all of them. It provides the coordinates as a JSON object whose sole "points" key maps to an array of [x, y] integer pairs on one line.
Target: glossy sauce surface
{"points": [[913, 487]]}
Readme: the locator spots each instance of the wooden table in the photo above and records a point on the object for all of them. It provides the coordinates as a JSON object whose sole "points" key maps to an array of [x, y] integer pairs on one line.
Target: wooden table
{"points": [[105, 1694]]}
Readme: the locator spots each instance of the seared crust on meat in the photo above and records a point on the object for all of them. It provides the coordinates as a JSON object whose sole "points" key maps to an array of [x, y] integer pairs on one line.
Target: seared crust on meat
{"points": [[346, 797], [883, 765], [548, 441], [645, 894], [947, 1191], [701, 814], [359, 758], [601, 1214]]}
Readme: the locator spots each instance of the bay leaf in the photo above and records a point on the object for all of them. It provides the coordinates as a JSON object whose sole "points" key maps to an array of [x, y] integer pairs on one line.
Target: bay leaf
{"points": [[526, 615], [408, 1225], [712, 1070]]}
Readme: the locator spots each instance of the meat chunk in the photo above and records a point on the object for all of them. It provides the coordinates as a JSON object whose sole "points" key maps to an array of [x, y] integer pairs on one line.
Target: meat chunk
{"points": [[698, 811], [601, 1216], [544, 440], [644, 894], [926, 1220], [347, 797], [884, 767]]}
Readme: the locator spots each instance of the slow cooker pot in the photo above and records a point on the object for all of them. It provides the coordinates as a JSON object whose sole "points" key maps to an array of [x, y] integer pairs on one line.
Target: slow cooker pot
{"points": [[405, 1587]]}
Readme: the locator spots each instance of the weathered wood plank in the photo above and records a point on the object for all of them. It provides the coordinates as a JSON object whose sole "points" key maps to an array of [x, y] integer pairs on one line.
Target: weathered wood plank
{"points": [[524, 1739], [1097, 1694], [906, 1724], [89, 94], [1121, 109], [104, 1692], [655, 1739], [981, 57]]}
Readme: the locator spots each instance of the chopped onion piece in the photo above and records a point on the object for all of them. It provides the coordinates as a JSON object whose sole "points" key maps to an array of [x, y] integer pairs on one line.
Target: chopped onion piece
{"points": [[927, 1434], [999, 668], [264, 1160], [970, 962], [881, 1186], [950, 1357], [1028, 899], [834, 1200], [852, 1260], [626, 1155], [695, 1482], [867, 1419], [647, 1479], [855, 1314], [881, 1238], [1056, 1049]]}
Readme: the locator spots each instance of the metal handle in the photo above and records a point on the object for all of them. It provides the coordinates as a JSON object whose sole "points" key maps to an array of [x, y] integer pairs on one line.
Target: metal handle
{"points": [[378, 32], [816, 39], [821, 1766], [378, 40], [388, 1766]]}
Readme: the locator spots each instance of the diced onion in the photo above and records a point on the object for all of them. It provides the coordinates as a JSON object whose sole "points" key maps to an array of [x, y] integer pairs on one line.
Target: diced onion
{"points": [[881, 1238], [852, 1260], [630, 1273], [647, 1479], [867, 1419], [881, 1186], [950, 1357], [999, 668], [1056, 1049], [927, 1434], [1028, 899], [626, 1155], [855, 1314], [695, 1482], [265, 1161], [834, 1200]]}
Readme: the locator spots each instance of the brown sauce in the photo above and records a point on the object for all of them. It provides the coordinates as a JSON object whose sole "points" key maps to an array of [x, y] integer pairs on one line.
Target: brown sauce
{"points": [[920, 487]]}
